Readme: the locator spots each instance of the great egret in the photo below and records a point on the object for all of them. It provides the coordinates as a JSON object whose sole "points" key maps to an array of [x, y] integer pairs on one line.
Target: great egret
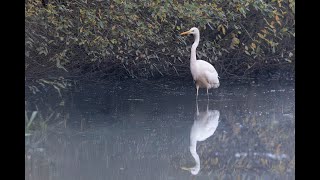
{"points": [[203, 73], [204, 125]]}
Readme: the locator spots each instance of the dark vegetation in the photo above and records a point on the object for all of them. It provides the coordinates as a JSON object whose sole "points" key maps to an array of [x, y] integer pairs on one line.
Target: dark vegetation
{"points": [[103, 40]]}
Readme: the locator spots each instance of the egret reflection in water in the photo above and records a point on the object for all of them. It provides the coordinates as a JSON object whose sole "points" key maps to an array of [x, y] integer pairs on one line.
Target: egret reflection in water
{"points": [[204, 126]]}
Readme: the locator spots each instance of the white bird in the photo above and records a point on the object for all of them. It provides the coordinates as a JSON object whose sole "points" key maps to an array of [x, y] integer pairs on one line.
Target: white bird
{"points": [[203, 73], [204, 126]]}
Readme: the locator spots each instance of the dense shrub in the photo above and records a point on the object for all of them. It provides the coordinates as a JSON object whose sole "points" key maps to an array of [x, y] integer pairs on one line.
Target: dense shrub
{"points": [[140, 38]]}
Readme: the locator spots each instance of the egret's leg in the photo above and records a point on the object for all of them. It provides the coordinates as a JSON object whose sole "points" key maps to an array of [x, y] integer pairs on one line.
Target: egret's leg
{"points": [[208, 93]]}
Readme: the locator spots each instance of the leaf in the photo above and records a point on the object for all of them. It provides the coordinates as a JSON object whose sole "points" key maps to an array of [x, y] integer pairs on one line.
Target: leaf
{"points": [[279, 3], [223, 30], [272, 24], [113, 41], [45, 81], [61, 85], [243, 12], [288, 60], [261, 36], [264, 31], [57, 89], [235, 42], [253, 45], [278, 20], [60, 66], [258, 50], [101, 24], [225, 50], [41, 84], [284, 29], [247, 52]]}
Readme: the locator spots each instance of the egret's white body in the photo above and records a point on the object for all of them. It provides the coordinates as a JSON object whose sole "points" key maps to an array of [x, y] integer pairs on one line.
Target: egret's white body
{"points": [[204, 126], [203, 73]]}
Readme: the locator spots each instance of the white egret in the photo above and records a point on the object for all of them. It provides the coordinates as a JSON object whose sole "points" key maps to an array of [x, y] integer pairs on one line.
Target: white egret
{"points": [[204, 126], [203, 73]]}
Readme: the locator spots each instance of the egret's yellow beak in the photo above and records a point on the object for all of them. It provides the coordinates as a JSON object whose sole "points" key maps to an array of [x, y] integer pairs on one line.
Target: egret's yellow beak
{"points": [[184, 33]]}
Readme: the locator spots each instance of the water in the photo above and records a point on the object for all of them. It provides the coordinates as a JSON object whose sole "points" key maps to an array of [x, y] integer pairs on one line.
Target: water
{"points": [[134, 131]]}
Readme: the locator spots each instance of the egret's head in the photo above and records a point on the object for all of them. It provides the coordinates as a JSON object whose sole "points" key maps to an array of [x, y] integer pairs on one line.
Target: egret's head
{"points": [[194, 31]]}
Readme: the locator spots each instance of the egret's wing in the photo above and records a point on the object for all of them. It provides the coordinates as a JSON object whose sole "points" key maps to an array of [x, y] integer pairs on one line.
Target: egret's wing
{"points": [[205, 66], [212, 77]]}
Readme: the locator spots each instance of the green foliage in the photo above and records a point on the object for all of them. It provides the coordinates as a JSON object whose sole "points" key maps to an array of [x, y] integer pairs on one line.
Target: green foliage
{"points": [[142, 38]]}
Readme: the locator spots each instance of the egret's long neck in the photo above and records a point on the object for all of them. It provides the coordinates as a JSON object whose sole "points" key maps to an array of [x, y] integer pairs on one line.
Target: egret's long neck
{"points": [[194, 48]]}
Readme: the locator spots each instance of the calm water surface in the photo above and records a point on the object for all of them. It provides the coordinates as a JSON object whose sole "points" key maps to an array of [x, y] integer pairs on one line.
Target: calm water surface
{"points": [[149, 132]]}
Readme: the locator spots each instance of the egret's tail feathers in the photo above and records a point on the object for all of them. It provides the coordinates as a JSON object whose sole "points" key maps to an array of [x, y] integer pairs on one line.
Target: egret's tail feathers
{"points": [[215, 85]]}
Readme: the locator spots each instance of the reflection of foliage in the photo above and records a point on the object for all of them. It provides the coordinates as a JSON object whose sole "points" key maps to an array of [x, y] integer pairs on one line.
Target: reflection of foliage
{"points": [[40, 119], [38, 114], [258, 133], [58, 84], [141, 39]]}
